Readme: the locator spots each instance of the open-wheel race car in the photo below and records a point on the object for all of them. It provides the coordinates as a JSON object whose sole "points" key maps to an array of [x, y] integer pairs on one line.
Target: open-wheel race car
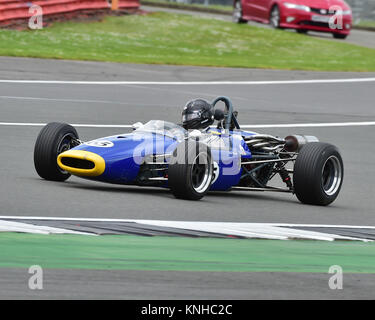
{"points": [[193, 162]]}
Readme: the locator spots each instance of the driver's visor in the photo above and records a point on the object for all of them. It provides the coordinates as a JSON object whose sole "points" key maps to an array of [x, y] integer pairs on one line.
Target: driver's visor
{"points": [[191, 116]]}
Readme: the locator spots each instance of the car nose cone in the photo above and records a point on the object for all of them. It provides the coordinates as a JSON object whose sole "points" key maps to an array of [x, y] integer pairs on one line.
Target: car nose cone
{"points": [[81, 163]]}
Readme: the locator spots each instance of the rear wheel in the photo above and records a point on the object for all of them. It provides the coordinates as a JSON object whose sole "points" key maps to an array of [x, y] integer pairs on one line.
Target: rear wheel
{"points": [[52, 140], [339, 36], [318, 174], [190, 171], [238, 13]]}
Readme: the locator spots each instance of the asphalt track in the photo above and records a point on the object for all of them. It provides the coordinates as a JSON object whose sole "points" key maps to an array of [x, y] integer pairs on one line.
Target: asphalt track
{"points": [[165, 285], [22, 192]]}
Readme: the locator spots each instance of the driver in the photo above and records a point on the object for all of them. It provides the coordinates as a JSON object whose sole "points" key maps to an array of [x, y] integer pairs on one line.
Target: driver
{"points": [[197, 114]]}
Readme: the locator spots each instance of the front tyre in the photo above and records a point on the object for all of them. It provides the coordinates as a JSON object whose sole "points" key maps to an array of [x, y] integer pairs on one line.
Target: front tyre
{"points": [[339, 36], [238, 13], [318, 174], [190, 171], [52, 140], [301, 31]]}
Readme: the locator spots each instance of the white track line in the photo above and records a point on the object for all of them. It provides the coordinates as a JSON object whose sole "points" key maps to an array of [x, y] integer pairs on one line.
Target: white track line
{"points": [[29, 124], [249, 230], [10, 226], [247, 126], [189, 83], [311, 125], [145, 221], [64, 100], [77, 100]]}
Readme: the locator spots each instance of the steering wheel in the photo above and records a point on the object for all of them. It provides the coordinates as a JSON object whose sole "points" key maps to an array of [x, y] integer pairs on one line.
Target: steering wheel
{"points": [[230, 119]]}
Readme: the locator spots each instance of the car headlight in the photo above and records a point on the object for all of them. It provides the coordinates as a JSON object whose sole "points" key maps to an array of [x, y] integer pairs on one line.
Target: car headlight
{"points": [[297, 6]]}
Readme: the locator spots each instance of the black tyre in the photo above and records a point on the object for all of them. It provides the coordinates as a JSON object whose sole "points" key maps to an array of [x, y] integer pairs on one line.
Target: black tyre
{"points": [[238, 13], [52, 140], [275, 17], [190, 170], [318, 174], [339, 36], [301, 31]]}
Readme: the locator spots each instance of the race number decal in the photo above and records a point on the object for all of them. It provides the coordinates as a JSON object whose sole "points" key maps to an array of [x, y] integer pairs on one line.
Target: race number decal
{"points": [[216, 172], [100, 143]]}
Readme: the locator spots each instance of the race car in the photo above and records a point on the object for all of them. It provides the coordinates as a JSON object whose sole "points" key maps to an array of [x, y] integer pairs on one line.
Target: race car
{"points": [[193, 162]]}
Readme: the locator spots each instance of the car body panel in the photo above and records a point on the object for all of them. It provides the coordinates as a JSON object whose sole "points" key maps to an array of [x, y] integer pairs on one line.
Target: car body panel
{"points": [[124, 155]]}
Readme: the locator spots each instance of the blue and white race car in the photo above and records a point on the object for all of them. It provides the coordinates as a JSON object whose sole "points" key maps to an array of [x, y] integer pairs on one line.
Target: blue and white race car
{"points": [[193, 162]]}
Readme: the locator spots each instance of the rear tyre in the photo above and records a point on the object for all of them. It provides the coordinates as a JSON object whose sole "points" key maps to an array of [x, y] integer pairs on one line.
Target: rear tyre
{"points": [[275, 17], [318, 174], [238, 13], [52, 140], [190, 171], [339, 36]]}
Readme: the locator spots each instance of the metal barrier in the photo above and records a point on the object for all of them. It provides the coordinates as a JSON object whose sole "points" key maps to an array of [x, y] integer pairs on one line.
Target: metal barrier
{"points": [[19, 9]]}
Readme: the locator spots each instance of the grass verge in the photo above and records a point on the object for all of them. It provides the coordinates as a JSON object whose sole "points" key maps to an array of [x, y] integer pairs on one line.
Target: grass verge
{"points": [[179, 39], [366, 24], [183, 254]]}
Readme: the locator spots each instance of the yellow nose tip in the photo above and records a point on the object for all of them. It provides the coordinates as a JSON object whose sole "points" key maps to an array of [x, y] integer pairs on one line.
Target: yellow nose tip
{"points": [[81, 163]]}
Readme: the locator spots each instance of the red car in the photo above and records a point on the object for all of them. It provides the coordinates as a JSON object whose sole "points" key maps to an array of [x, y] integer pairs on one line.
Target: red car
{"points": [[334, 16]]}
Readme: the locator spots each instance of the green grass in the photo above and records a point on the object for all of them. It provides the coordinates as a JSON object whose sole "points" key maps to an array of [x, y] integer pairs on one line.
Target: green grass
{"points": [[165, 38], [183, 254], [367, 24]]}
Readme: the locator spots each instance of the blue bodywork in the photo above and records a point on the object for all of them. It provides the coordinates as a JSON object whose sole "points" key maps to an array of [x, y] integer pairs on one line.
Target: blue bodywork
{"points": [[125, 154]]}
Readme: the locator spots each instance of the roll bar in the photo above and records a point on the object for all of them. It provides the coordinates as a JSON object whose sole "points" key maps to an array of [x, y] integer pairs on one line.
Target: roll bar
{"points": [[229, 112]]}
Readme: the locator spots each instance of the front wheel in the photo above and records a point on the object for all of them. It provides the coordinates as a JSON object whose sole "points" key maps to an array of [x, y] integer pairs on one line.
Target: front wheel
{"points": [[52, 140], [339, 36], [301, 31], [318, 174], [190, 171]]}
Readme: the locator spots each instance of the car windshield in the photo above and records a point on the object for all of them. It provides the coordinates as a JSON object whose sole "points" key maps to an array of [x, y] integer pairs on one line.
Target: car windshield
{"points": [[164, 128]]}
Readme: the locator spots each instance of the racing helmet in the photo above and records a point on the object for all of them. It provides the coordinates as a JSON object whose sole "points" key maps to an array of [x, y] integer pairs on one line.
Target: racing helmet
{"points": [[197, 114]]}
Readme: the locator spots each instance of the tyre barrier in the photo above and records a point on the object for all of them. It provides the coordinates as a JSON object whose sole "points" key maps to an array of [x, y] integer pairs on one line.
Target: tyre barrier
{"points": [[20, 9]]}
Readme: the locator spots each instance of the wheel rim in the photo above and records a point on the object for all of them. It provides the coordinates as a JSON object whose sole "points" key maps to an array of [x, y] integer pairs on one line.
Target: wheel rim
{"points": [[275, 17], [201, 174], [64, 145], [331, 175], [237, 12]]}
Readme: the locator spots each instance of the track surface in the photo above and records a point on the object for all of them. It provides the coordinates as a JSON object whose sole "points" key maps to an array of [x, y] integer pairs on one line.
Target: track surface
{"points": [[22, 192], [358, 37], [131, 284]]}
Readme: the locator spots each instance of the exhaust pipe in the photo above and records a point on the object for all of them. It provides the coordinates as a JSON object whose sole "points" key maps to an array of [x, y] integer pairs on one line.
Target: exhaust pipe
{"points": [[295, 143]]}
